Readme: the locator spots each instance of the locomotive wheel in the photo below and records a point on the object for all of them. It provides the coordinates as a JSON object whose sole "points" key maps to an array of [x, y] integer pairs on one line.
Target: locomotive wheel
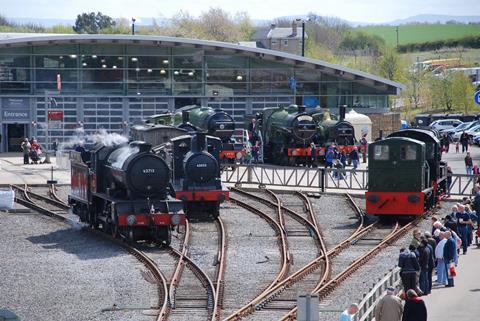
{"points": [[164, 236]]}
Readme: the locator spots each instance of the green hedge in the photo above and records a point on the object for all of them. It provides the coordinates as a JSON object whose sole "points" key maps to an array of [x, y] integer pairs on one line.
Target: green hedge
{"points": [[466, 42]]}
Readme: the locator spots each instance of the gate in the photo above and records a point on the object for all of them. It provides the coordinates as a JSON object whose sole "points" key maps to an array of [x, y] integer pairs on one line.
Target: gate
{"points": [[320, 179]]}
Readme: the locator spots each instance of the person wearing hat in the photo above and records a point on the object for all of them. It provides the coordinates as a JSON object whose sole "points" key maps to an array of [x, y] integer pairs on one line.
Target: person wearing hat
{"points": [[390, 307]]}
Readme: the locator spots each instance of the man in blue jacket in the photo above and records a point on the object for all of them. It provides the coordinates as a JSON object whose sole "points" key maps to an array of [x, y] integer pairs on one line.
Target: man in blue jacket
{"points": [[408, 263], [449, 251]]}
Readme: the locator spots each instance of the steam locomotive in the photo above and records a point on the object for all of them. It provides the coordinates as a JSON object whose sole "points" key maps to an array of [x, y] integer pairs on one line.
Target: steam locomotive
{"points": [[406, 175], [288, 131], [124, 189], [215, 122], [287, 134], [196, 175]]}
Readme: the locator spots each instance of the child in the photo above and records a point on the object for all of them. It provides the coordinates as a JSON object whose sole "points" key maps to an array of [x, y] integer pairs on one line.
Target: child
{"points": [[457, 147]]}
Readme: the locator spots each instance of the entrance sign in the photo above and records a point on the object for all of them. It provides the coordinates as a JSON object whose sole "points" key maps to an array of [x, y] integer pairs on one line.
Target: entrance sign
{"points": [[17, 115]]}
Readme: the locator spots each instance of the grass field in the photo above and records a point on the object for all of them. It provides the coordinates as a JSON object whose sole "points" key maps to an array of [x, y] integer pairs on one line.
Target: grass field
{"points": [[421, 32]]}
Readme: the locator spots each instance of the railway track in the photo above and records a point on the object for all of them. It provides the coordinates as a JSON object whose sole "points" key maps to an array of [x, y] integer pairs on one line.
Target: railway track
{"points": [[329, 284], [324, 282], [281, 295], [36, 201]]}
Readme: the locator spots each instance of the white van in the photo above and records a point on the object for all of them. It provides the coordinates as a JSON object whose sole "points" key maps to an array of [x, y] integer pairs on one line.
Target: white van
{"points": [[445, 124]]}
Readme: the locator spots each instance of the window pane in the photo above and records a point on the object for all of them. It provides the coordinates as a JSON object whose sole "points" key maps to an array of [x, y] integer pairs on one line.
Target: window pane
{"points": [[14, 74], [381, 152], [226, 75], [225, 61], [408, 152]]}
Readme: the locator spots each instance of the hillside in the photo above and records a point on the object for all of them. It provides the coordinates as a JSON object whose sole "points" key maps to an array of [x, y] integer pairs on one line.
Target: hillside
{"points": [[421, 32]]}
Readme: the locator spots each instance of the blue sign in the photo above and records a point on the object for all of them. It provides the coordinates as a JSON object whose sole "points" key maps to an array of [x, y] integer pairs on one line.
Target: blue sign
{"points": [[292, 83], [477, 97]]}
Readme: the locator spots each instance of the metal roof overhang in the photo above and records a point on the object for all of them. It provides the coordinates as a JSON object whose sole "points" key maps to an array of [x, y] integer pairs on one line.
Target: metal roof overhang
{"points": [[270, 55]]}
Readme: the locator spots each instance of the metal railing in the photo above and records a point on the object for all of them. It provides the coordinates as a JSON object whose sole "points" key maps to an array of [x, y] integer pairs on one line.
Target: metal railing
{"points": [[320, 179], [366, 308], [268, 176]]}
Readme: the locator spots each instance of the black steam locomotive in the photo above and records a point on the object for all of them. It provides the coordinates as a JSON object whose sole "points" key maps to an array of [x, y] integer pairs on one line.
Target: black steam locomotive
{"points": [[196, 175], [215, 122], [124, 189]]}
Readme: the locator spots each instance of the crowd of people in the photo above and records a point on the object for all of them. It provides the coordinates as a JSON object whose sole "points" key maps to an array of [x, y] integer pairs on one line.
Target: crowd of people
{"points": [[431, 254]]}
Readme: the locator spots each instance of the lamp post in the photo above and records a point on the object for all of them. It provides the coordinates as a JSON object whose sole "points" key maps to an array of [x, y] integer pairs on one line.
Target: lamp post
{"points": [[303, 34], [133, 26]]}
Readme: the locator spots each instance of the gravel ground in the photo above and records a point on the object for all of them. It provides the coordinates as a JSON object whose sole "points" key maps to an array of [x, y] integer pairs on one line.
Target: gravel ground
{"points": [[62, 192], [203, 247], [336, 218], [302, 246], [54, 272], [253, 256]]}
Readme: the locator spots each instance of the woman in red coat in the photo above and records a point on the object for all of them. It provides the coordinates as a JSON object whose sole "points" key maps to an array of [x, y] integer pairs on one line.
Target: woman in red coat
{"points": [[415, 308]]}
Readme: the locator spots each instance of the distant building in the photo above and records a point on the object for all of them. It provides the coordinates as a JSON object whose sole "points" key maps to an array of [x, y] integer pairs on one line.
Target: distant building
{"points": [[281, 39], [91, 82]]}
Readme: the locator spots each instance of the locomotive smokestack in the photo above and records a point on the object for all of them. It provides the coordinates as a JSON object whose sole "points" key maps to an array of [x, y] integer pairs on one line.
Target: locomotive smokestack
{"points": [[342, 112], [301, 109], [185, 116], [143, 147], [199, 142]]}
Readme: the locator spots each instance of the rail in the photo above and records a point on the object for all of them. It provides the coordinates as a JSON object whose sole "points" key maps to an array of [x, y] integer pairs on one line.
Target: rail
{"points": [[319, 179]]}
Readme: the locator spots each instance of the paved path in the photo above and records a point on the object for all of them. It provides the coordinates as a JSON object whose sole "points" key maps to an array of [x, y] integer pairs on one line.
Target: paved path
{"points": [[12, 171], [462, 302]]}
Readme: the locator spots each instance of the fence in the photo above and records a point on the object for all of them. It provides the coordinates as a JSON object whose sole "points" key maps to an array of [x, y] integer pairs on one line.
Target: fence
{"points": [[319, 179], [371, 299]]}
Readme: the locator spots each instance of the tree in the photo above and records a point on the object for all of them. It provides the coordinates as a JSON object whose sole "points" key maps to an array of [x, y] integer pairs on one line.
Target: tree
{"points": [[462, 92], [218, 25], [92, 23], [360, 40], [441, 88], [389, 65]]}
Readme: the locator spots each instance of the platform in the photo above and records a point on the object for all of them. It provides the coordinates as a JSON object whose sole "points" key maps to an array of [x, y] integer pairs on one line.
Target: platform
{"points": [[13, 171], [460, 303]]}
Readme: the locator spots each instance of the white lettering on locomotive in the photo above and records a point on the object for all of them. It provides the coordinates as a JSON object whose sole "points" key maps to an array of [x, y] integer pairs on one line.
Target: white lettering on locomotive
{"points": [[202, 165], [148, 171]]}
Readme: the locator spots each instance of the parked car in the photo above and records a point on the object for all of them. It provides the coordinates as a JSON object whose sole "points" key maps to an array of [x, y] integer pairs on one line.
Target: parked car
{"points": [[461, 127], [476, 139], [470, 132], [445, 124]]}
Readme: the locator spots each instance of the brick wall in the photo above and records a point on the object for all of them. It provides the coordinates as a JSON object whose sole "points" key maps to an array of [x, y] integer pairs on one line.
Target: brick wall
{"points": [[388, 122]]}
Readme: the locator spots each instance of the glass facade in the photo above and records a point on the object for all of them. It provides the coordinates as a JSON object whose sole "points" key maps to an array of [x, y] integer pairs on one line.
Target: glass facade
{"points": [[113, 86], [170, 71]]}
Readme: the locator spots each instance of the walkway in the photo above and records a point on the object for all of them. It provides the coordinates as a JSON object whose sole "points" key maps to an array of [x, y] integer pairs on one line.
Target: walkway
{"points": [[462, 302]]}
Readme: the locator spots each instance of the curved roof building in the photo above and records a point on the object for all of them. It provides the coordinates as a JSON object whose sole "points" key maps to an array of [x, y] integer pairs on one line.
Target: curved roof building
{"points": [[113, 81]]}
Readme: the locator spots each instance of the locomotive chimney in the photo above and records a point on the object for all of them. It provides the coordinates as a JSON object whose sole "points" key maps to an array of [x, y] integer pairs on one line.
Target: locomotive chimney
{"points": [[199, 142], [185, 116], [301, 109], [342, 112], [143, 147]]}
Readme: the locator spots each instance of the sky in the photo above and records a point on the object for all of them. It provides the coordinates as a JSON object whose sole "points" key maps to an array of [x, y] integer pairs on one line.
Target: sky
{"points": [[373, 11]]}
